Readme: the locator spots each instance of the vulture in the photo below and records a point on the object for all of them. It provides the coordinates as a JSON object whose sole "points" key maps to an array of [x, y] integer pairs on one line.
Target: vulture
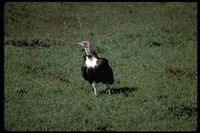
{"points": [[95, 69]]}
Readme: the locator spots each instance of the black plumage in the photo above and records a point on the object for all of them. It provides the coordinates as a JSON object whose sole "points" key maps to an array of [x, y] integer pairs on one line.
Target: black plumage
{"points": [[102, 72]]}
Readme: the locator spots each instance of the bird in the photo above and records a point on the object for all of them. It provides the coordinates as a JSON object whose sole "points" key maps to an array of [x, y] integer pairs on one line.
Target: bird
{"points": [[95, 69]]}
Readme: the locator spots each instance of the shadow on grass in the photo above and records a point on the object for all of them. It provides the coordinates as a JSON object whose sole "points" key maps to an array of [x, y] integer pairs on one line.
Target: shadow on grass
{"points": [[121, 90]]}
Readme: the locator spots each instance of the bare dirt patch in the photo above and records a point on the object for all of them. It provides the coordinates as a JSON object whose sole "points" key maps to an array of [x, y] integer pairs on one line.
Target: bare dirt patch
{"points": [[35, 43]]}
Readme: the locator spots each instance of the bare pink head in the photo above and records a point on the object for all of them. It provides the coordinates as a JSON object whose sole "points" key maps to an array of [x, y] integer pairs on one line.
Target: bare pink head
{"points": [[86, 46]]}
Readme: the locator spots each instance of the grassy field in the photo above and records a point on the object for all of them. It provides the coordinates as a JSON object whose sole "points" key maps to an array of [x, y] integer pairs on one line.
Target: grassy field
{"points": [[151, 47]]}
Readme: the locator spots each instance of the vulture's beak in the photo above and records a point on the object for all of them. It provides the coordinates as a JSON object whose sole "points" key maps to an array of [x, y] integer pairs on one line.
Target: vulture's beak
{"points": [[78, 43]]}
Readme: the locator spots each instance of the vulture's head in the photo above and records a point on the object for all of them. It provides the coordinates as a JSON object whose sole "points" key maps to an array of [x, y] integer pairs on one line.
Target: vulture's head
{"points": [[86, 46]]}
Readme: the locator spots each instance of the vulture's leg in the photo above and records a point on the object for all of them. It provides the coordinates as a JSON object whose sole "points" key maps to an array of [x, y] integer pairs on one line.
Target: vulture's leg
{"points": [[108, 89], [94, 87]]}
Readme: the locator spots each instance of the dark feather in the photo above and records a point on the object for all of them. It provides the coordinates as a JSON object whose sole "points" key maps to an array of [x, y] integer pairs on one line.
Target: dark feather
{"points": [[100, 73]]}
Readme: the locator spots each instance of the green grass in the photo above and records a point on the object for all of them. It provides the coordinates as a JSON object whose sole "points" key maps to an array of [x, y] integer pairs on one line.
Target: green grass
{"points": [[151, 47]]}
